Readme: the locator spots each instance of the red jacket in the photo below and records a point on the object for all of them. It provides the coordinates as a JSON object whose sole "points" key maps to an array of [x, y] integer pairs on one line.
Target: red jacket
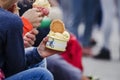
{"points": [[73, 53]]}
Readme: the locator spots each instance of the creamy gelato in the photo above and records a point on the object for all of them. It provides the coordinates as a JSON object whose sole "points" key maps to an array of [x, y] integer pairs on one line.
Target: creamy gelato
{"points": [[41, 3], [61, 36]]}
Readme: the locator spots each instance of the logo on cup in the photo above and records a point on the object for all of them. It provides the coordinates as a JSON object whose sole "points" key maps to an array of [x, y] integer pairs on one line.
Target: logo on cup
{"points": [[51, 42]]}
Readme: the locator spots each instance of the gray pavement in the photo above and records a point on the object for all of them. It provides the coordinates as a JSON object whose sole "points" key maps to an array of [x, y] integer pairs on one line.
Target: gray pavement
{"points": [[103, 69]]}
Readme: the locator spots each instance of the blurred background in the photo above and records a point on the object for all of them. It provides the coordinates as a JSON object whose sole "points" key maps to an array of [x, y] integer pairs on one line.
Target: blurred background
{"points": [[96, 24]]}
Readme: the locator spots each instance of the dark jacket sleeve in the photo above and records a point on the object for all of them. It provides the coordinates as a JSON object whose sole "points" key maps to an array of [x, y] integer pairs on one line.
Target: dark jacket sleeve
{"points": [[32, 56], [13, 48]]}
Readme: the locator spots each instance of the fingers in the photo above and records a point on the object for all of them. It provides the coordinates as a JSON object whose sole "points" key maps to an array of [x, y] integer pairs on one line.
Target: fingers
{"points": [[38, 22], [43, 43], [45, 40], [39, 14], [34, 31], [28, 36], [36, 9], [39, 11], [27, 44], [29, 40]]}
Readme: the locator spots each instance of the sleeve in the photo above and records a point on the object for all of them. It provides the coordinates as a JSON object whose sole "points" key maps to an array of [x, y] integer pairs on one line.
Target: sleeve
{"points": [[32, 56], [27, 26], [13, 46], [16, 57]]}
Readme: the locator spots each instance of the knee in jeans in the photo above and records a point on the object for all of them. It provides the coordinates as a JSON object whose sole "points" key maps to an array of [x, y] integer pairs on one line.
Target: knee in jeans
{"points": [[44, 73]]}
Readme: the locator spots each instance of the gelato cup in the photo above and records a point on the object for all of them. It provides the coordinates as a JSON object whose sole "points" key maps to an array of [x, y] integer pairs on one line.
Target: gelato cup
{"points": [[58, 36], [56, 44]]}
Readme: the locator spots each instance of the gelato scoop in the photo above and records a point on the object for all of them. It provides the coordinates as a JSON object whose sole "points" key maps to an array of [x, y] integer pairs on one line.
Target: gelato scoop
{"points": [[43, 6], [41, 3], [61, 36]]}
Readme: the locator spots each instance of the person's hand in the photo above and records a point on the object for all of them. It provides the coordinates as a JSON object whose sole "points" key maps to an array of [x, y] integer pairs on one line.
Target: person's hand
{"points": [[29, 38], [45, 52], [34, 16]]}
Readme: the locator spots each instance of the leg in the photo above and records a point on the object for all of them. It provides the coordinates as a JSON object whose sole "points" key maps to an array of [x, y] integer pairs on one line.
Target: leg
{"points": [[32, 74], [62, 70], [77, 14], [118, 8], [90, 13], [108, 8]]}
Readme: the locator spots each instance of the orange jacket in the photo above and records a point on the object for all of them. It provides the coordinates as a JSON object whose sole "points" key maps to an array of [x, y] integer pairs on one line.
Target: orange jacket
{"points": [[27, 25]]}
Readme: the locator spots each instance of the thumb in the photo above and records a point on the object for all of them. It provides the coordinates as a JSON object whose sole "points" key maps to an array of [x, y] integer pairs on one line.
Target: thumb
{"points": [[44, 41], [34, 31]]}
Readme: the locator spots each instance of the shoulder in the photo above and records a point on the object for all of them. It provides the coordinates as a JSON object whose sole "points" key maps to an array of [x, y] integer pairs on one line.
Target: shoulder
{"points": [[10, 19]]}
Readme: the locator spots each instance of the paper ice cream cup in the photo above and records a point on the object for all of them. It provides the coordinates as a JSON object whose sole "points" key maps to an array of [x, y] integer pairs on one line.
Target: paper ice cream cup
{"points": [[56, 44]]}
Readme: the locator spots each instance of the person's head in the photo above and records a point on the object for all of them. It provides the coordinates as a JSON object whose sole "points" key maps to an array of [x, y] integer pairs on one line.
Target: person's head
{"points": [[7, 3], [24, 5]]}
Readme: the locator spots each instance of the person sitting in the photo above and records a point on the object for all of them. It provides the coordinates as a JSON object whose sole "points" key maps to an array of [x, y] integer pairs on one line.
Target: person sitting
{"points": [[14, 61]]}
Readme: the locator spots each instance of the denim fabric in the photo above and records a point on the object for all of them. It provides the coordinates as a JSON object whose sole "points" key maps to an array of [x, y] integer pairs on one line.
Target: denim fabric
{"points": [[42, 64], [85, 11], [37, 73]]}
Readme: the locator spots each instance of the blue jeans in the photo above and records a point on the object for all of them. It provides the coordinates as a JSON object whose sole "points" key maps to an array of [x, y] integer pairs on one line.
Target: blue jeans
{"points": [[81, 11], [35, 72], [42, 64], [91, 12]]}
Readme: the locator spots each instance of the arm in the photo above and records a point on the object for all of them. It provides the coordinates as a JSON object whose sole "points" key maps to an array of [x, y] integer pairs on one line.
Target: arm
{"points": [[31, 19], [32, 56], [35, 55]]}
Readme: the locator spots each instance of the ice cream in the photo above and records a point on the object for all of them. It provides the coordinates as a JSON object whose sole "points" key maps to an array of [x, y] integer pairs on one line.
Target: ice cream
{"points": [[44, 7], [41, 3], [61, 36], [58, 36]]}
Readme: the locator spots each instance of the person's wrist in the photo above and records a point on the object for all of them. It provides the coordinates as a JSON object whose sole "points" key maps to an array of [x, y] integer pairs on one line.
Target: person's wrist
{"points": [[40, 53]]}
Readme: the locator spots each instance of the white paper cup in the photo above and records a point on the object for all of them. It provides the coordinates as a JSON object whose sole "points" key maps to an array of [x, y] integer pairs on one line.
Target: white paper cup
{"points": [[56, 44]]}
